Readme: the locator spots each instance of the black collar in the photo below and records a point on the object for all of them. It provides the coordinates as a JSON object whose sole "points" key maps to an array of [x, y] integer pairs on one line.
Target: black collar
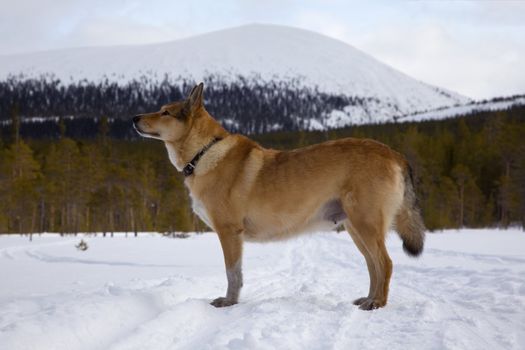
{"points": [[188, 169]]}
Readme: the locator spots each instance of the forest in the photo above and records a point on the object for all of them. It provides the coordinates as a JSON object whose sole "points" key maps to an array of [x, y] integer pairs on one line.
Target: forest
{"points": [[243, 105], [469, 172]]}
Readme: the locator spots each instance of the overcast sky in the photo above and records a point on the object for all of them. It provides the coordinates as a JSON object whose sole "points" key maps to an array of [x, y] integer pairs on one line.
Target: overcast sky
{"points": [[476, 48]]}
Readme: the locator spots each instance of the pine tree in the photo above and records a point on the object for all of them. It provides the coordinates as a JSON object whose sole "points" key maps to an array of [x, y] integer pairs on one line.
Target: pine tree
{"points": [[4, 191], [461, 174], [64, 190], [15, 124], [24, 173]]}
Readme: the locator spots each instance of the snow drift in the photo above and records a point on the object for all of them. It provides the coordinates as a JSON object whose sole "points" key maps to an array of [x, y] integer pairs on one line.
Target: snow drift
{"points": [[467, 291]]}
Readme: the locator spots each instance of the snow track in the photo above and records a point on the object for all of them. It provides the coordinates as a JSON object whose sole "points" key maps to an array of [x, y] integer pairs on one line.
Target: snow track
{"points": [[467, 291]]}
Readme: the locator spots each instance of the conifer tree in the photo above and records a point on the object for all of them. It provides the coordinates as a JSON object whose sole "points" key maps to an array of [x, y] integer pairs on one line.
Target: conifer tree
{"points": [[64, 188], [21, 187]]}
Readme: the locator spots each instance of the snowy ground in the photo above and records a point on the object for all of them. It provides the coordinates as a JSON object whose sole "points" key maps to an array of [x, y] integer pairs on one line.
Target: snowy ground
{"points": [[467, 291]]}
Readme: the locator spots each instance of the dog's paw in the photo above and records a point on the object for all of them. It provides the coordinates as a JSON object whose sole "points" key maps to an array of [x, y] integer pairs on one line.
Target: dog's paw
{"points": [[222, 302], [366, 303], [359, 301]]}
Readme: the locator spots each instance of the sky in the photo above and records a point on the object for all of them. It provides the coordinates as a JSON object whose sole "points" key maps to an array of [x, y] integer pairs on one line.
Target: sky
{"points": [[476, 48]]}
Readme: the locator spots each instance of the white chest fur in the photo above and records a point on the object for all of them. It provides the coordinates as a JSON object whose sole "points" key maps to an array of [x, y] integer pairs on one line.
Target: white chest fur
{"points": [[172, 154], [200, 210]]}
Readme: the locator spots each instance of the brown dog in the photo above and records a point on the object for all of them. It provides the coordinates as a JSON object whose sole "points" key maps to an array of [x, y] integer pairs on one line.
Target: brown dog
{"points": [[246, 192]]}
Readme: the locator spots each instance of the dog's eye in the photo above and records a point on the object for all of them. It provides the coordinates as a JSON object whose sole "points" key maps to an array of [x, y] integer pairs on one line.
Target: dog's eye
{"points": [[165, 113]]}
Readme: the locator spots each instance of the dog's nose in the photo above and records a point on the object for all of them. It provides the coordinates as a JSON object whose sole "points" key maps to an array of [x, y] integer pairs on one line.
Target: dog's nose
{"points": [[136, 119]]}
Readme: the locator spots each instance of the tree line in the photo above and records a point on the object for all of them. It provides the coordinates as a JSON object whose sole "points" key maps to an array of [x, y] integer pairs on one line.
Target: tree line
{"points": [[246, 105], [469, 172]]}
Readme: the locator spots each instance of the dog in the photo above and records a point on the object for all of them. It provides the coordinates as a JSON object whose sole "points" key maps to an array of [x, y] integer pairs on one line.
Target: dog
{"points": [[245, 192]]}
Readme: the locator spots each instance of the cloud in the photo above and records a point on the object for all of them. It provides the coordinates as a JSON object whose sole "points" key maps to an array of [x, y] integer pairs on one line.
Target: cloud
{"points": [[322, 23], [483, 64], [32, 25], [118, 31], [474, 48]]}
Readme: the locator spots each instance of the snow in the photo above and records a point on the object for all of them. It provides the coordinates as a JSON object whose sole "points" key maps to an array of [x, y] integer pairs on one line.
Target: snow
{"points": [[369, 112], [467, 291], [257, 52], [466, 109]]}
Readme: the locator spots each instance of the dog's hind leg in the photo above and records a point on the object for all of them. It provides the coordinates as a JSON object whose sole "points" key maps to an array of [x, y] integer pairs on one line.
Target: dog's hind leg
{"points": [[369, 262], [231, 242], [367, 229]]}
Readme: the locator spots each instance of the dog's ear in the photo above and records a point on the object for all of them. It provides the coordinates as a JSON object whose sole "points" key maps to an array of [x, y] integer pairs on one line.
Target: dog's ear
{"points": [[195, 99]]}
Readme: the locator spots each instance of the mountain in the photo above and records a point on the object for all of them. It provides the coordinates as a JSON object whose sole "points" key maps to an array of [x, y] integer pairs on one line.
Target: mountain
{"points": [[279, 76], [495, 104]]}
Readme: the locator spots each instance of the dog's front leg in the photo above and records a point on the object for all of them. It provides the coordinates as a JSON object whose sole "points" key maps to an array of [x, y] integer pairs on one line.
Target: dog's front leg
{"points": [[231, 242]]}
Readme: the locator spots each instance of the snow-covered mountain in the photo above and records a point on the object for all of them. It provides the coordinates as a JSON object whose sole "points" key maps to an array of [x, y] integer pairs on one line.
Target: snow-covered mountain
{"points": [[252, 53], [496, 104]]}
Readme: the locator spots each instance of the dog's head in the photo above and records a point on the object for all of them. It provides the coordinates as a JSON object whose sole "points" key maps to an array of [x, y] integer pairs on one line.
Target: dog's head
{"points": [[174, 120]]}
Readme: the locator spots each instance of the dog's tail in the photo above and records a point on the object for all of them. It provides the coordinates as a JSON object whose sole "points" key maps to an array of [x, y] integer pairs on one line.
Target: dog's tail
{"points": [[408, 221]]}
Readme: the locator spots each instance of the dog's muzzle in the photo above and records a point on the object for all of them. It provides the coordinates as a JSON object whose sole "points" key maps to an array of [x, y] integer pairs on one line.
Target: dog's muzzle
{"points": [[136, 120]]}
